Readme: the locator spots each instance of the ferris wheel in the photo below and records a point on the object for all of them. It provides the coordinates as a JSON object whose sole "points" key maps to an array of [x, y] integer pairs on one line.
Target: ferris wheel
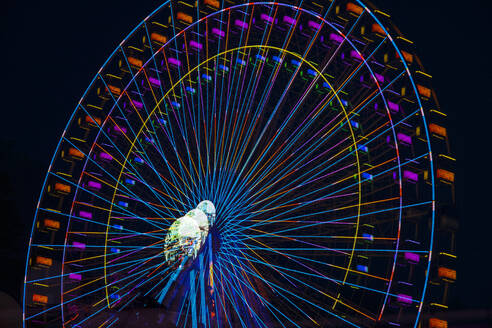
{"points": [[263, 164]]}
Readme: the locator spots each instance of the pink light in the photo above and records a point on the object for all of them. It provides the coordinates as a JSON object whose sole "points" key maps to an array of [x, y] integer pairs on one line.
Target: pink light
{"points": [[218, 32], [393, 106], [412, 257], [289, 20], [137, 104], [379, 77], [105, 156], [239, 23], [336, 38], [412, 176], [403, 138], [76, 244], [404, 299], [94, 185], [174, 61], [155, 81], [267, 18], [85, 214], [314, 25], [75, 276], [196, 45]]}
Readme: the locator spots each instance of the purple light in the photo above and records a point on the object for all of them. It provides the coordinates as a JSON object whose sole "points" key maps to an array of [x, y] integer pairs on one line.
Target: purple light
{"points": [[137, 104], [196, 45], [379, 77], [266, 18], [336, 38], [105, 156], [174, 61], [314, 25], [218, 32], [76, 244], [75, 276], [94, 185], [393, 107], [412, 257], [289, 20], [354, 54], [155, 81], [85, 214], [409, 175], [239, 23], [403, 138], [120, 129], [404, 299]]}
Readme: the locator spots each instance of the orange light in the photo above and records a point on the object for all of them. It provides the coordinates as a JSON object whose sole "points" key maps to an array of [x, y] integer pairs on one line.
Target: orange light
{"points": [[424, 91], [407, 56], [135, 61], [75, 153], [446, 273], [158, 38], [51, 224], [445, 175], [184, 17], [437, 323], [114, 89], [63, 188], [212, 3], [40, 298], [376, 28], [353, 8], [93, 121], [437, 129], [44, 260]]}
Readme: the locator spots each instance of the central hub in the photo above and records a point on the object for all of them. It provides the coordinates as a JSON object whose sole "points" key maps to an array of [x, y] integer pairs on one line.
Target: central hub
{"points": [[188, 233]]}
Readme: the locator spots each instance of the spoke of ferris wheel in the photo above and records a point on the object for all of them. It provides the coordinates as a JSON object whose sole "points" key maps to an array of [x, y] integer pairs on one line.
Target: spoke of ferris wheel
{"points": [[125, 211], [229, 96], [133, 169], [246, 208], [266, 33], [157, 236], [317, 223], [288, 169], [128, 193], [183, 131], [275, 178], [315, 289], [157, 142], [324, 263], [94, 269], [323, 293], [135, 135], [297, 205], [225, 293], [232, 299], [105, 306], [285, 92], [286, 41], [244, 205], [281, 292], [306, 126], [88, 293], [264, 302]]}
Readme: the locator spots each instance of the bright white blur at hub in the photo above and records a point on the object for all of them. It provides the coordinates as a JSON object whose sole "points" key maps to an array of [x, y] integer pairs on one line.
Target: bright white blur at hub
{"points": [[188, 233]]}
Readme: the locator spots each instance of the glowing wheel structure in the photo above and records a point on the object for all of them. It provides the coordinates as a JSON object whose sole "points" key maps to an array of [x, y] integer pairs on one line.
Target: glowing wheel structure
{"points": [[252, 165]]}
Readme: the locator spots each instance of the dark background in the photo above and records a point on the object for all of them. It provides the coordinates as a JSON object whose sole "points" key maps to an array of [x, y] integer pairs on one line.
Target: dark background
{"points": [[52, 49]]}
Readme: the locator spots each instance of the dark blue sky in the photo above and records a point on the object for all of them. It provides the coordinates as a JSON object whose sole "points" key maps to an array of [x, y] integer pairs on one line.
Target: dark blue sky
{"points": [[52, 49]]}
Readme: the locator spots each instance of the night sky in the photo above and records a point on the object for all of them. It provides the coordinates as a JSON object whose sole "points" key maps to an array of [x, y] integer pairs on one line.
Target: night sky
{"points": [[52, 49]]}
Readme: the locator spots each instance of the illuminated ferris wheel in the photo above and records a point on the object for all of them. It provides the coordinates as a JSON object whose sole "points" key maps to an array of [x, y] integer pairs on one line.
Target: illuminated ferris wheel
{"points": [[264, 164]]}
